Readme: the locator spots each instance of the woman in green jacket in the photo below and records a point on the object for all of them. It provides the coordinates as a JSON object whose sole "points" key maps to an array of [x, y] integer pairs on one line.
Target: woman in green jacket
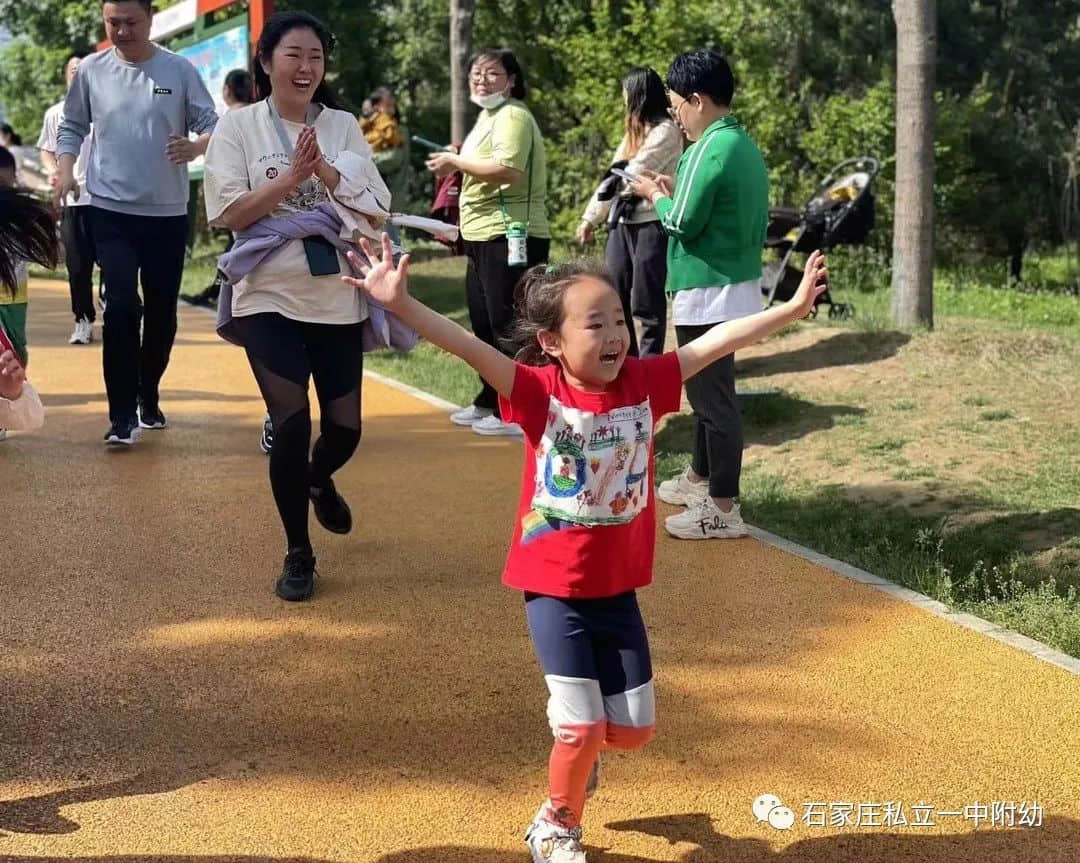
{"points": [[715, 213]]}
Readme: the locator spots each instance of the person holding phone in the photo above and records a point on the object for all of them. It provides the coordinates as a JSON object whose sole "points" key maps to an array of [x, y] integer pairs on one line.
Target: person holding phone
{"points": [[715, 213], [289, 157], [503, 211], [636, 252], [143, 102]]}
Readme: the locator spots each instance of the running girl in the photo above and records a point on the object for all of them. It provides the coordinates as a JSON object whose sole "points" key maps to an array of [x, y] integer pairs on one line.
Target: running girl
{"points": [[586, 527]]}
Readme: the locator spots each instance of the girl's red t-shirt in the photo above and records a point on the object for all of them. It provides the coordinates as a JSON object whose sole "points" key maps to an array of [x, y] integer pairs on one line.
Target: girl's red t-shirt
{"points": [[586, 525]]}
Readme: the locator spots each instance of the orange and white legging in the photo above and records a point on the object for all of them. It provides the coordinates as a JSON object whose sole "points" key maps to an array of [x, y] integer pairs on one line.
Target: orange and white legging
{"points": [[595, 658]]}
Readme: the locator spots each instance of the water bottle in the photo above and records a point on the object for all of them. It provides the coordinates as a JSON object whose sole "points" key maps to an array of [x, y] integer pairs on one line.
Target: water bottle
{"points": [[517, 245]]}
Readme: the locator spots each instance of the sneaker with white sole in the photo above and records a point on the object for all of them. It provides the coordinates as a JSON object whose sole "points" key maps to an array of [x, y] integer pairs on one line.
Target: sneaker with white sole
{"points": [[552, 843], [471, 414], [682, 491], [83, 333], [122, 433], [705, 520], [492, 425], [3, 434]]}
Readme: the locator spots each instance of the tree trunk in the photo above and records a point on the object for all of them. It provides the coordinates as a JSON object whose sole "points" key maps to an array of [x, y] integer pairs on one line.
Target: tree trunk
{"points": [[913, 228], [461, 31]]}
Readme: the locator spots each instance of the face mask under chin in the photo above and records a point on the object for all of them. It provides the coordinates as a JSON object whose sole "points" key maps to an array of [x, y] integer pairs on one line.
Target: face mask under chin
{"points": [[491, 100]]}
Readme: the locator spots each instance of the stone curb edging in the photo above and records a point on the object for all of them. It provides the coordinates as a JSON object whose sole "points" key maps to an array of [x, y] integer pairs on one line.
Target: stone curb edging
{"points": [[939, 609]]}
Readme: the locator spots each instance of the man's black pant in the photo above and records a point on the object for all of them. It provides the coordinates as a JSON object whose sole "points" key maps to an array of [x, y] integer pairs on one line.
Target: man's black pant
{"points": [[489, 285], [636, 257], [79, 256], [718, 442], [131, 249]]}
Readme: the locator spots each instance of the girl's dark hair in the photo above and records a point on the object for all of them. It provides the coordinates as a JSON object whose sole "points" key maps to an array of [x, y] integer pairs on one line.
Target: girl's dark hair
{"points": [[646, 105], [27, 233], [510, 63], [16, 140], [538, 300], [275, 28], [239, 82]]}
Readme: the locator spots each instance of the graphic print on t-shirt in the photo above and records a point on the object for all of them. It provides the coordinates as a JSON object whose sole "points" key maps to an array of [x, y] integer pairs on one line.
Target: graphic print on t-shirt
{"points": [[591, 469]]}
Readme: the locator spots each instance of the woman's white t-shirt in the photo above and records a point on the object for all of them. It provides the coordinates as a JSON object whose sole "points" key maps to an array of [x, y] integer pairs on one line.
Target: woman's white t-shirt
{"points": [[245, 153]]}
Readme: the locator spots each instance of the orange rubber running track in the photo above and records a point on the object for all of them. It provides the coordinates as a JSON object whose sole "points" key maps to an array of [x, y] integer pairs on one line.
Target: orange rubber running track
{"points": [[158, 703]]}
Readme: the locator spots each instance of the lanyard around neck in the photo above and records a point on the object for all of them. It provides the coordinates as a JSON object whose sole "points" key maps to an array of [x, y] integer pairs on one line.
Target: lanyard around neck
{"points": [[312, 113]]}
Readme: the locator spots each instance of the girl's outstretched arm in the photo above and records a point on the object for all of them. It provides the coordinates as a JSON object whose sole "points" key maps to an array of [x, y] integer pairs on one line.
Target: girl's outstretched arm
{"points": [[730, 336], [389, 286]]}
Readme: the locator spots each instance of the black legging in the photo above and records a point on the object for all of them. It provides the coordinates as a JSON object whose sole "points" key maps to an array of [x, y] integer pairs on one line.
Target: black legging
{"points": [[284, 354]]}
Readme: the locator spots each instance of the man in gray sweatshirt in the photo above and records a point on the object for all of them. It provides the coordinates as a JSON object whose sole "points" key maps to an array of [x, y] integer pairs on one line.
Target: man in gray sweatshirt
{"points": [[143, 101]]}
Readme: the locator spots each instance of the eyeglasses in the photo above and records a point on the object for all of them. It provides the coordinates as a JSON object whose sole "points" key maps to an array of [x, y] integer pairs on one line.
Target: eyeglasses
{"points": [[486, 75], [673, 111]]}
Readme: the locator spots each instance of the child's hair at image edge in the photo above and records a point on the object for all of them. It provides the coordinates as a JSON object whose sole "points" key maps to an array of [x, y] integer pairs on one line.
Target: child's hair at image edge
{"points": [[27, 233], [538, 299]]}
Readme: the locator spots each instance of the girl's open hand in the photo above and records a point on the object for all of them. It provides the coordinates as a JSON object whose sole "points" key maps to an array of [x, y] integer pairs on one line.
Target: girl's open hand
{"points": [[814, 283], [382, 281], [11, 376]]}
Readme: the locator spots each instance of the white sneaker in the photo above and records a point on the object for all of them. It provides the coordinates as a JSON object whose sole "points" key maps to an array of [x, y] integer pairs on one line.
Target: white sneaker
{"points": [[468, 416], [83, 333], [492, 425], [3, 434], [550, 843], [705, 520], [682, 491]]}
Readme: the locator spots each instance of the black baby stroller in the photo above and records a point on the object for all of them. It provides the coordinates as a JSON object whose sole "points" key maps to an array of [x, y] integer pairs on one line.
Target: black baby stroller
{"points": [[841, 213]]}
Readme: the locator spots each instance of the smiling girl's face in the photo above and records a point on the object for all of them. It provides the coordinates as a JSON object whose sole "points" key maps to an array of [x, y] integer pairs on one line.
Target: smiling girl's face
{"points": [[593, 338]]}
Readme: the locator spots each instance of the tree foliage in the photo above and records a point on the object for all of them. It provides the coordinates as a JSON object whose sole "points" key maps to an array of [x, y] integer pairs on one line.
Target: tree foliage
{"points": [[815, 86]]}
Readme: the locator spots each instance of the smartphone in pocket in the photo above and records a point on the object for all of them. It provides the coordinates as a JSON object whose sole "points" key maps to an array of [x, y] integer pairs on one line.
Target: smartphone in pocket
{"points": [[322, 257]]}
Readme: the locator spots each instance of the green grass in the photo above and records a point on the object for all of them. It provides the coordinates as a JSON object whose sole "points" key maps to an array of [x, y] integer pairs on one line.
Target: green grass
{"points": [[859, 276], [995, 416]]}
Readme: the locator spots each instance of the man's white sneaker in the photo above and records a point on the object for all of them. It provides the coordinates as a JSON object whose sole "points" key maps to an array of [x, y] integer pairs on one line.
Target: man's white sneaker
{"points": [[83, 333], [682, 491], [705, 520], [492, 425], [3, 434], [550, 843], [468, 416]]}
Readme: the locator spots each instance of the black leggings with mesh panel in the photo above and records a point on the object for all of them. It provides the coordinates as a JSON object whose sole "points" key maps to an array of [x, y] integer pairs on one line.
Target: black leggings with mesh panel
{"points": [[284, 355]]}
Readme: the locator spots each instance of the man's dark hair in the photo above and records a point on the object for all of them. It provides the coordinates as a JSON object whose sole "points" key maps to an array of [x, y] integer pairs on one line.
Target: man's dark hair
{"points": [[240, 83], [505, 57], [148, 5], [704, 72], [7, 161]]}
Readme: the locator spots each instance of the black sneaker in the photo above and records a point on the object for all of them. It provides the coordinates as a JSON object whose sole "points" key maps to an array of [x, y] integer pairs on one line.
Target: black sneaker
{"points": [[151, 418], [330, 509], [122, 433], [297, 581], [266, 442]]}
